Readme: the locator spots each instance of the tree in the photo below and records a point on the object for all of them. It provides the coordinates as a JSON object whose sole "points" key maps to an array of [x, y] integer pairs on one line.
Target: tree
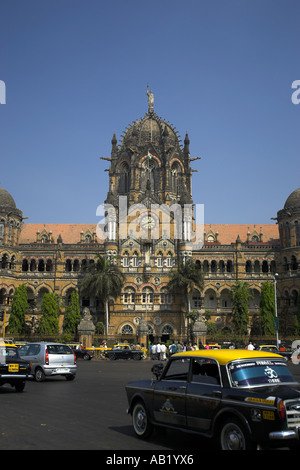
{"points": [[72, 316], [185, 279], [103, 279], [19, 307], [240, 295], [49, 320], [267, 308]]}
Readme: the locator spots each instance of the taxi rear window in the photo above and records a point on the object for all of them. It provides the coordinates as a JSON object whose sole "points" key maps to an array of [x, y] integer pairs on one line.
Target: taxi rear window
{"points": [[259, 373], [8, 352]]}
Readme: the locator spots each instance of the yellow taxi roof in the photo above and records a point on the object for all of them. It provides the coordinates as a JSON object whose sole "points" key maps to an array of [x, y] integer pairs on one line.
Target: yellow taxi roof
{"points": [[226, 355], [7, 344]]}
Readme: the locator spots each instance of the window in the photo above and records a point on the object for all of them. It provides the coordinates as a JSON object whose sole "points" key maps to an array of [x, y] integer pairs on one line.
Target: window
{"points": [[178, 370], [205, 371], [127, 330]]}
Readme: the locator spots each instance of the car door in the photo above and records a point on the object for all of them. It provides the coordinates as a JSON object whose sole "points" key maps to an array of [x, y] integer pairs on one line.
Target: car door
{"points": [[204, 393], [169, 393]]}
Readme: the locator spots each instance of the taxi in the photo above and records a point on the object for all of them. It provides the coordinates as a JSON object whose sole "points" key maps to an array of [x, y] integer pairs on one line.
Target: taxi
{"points": [[13, 370], [242, 399]]}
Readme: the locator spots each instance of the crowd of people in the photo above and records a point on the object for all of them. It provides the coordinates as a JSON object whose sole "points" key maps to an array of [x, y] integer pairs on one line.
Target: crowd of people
{"points": [[160, 351]]}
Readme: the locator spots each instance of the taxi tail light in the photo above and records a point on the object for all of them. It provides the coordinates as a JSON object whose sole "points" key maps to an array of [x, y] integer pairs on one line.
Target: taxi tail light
{"points": [[74, 358], [281, 409], [47, 357]]}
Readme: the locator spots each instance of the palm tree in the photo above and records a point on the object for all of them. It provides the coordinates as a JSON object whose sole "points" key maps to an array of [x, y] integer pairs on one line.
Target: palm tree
{"points": [[103, 279], [185, 280]]}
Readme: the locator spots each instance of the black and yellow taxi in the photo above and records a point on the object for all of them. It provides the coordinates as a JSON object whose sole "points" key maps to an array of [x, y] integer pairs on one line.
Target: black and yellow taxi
{"points": [[13, 370], [243, 399]]}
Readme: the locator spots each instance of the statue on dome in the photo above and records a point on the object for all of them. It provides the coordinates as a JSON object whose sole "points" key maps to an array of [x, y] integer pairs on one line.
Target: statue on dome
{"points": [[150, 100]]}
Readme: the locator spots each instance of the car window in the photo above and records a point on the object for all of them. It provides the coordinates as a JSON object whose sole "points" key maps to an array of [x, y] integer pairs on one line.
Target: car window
{"points": [[178, 369], [29, 349], [8, 352], [59, 349], [205, 371], [256, 373]]}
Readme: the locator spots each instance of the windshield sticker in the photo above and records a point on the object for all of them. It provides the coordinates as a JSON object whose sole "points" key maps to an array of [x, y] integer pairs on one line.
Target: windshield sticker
{"points": [[256, 373]]}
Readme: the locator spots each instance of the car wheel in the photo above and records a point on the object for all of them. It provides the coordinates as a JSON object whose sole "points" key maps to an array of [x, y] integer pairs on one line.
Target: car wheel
{"points": [[233, 436], [141, 421], [112, 357], [86, 357], [39, 375], [136, 357], [20, 386]]}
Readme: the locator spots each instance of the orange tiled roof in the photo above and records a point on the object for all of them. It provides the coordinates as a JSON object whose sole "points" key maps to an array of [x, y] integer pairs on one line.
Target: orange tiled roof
{"points": [[70, 233], [227, 234]]}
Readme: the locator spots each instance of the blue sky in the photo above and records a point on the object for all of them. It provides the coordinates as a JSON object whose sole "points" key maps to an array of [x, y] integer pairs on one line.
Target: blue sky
{"points": [[76, 71]]}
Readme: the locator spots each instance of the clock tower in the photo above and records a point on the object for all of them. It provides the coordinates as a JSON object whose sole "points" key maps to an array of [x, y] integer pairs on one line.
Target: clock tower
{"points": [[149, 189]]}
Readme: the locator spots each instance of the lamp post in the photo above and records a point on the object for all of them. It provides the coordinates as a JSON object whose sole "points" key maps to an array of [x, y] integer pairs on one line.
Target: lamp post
{"points": [[276, 316]]}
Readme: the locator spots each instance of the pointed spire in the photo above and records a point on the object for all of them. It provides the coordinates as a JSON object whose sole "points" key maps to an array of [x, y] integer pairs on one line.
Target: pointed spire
{"points": [[186, 143]]}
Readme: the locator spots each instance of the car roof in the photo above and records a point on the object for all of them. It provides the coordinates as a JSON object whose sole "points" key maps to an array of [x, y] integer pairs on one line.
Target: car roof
{"points": [[7, 344], [223, 356]]}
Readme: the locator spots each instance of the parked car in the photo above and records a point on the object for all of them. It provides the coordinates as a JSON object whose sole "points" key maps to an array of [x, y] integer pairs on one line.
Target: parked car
{"points": [[240, 398], [86, 354], [50, 359], [13, 370], [272, 348], [123, 351]]}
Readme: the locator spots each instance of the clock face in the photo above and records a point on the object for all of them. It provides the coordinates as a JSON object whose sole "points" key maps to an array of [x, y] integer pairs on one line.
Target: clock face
{"points": [[147, 222]]}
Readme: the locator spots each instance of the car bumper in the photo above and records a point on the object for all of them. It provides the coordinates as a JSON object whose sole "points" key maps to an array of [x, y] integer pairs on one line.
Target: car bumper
{"points": [[60, 371], [4, 377], [284, 435]]}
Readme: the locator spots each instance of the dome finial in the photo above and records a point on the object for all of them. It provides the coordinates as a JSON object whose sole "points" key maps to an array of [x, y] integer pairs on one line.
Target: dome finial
{"points": [[150, 100]]}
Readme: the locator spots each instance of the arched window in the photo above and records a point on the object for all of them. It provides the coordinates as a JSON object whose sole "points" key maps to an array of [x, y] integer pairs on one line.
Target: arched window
{"points": [[127, 330], [124, 179]]}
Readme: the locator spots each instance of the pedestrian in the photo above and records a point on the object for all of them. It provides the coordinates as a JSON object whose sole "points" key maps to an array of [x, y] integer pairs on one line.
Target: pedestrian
{"points": [[250, 346], [179, 347], [153, 352], [173, 348], [158, 351], [163, 352]]}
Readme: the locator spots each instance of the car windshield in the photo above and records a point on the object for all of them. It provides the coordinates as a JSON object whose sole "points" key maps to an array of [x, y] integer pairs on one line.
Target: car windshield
{"points": [[259, 373]]}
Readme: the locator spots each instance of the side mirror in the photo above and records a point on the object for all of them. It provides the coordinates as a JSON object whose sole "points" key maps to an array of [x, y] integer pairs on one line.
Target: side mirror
{"points": [[157, 370]]}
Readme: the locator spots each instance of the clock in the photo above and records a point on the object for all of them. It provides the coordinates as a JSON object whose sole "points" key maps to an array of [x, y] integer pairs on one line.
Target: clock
{"points": [[147, 222]]}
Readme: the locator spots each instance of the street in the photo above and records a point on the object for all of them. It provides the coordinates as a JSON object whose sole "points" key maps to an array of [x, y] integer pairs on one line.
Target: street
{"points": [[86, 414]]}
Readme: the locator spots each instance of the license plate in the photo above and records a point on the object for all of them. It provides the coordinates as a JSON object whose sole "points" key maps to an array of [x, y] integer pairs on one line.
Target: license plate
{"points": [[13, 367], [62, 371]]}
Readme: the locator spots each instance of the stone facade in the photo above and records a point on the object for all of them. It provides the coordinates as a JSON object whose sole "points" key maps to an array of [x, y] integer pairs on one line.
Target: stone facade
{"points": [[148, 170]]}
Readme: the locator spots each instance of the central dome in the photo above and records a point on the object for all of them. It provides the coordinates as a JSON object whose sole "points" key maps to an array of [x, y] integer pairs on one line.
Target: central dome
{"points": [[150, 129]]}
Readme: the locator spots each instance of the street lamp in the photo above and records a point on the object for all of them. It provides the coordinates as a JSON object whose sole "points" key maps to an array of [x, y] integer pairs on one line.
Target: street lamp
{"points": [[276, 316]]}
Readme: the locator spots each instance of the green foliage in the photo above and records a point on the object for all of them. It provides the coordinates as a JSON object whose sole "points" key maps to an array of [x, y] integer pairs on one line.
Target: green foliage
{"points": [[240, 294], [16, 324], [102, 279], [99, 328], [185, 279], [72, 315], [267, 308], [49, 319]]}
